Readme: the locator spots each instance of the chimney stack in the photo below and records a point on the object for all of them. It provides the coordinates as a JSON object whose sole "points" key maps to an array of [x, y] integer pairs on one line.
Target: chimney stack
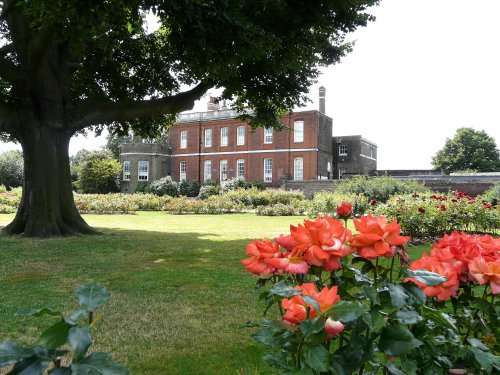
{"points": [[322, 92], [213, 104]]}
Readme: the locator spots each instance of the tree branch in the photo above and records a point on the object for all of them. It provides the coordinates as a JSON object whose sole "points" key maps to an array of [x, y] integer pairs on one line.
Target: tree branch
{"points": [[93, 114]]}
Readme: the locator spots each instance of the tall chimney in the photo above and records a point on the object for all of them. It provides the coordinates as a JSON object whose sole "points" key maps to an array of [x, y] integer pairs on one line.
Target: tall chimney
{"points": [[322, 92]]}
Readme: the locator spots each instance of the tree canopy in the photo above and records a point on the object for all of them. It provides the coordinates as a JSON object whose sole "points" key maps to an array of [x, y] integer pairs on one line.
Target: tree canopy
{"points": [[468, 150], [66, 66]]}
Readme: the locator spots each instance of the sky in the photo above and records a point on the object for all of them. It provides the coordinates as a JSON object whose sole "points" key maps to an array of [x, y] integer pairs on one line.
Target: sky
{"points": [[422, 70]]}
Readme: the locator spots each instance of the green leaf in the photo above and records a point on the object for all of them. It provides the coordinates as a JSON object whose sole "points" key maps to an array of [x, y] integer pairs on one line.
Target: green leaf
{"points": [[398, 295], [408, 317], [276, 359], [311, 326], [359, 276], [79, 339], [304, 371], [99, 364], [426, 277], [477, 343], [486, 359], [37, 312], [31, 366], [371, 294], [393, 369], [91, 296], [311, 301], [347, 311], [55, 336], [60, 371], [316, 357], [11, 352], [415, 295], [75, 317], [282, 289], [409, 366], [397, 340]]}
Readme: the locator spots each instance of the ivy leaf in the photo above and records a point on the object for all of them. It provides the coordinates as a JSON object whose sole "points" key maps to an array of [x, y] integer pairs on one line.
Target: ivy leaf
{"points": [[397, 340], [316, 357], [79, 339], [347, 311], [91, 296], [11, 352], [282, 289], [99, 364], [408, 317], [426, 277], [55, 336]]}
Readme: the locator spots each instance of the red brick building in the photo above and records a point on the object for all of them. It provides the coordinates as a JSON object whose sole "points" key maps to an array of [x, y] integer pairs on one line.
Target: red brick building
{"points": [[216, 145]]}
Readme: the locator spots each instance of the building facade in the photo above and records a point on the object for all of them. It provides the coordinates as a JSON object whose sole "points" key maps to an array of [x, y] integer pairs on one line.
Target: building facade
{"points": [[353, 155], [216, 145]]}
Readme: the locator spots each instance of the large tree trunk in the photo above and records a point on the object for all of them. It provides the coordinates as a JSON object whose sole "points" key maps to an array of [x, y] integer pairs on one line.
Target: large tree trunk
{"points": [[47, 207]]}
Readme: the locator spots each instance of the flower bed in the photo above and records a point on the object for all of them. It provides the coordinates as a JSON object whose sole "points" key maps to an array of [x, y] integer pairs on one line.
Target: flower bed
{"points": [[432, 215], [346, 306]]}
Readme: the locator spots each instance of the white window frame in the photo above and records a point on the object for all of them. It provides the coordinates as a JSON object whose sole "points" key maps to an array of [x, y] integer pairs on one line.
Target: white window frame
{"points": [[143, 173], [342, 150], [298, 131], [223, 170], [224, 136], [208, 137], [126, 170], [182, 170], [240, 168], [240, 135], [298, 169], [207, 170], [184, 139], [268, 170], [268, 135], [342, 171]]}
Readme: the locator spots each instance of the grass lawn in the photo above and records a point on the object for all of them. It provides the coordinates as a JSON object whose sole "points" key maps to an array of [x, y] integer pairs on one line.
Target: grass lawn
{"points": [[179, 292]]}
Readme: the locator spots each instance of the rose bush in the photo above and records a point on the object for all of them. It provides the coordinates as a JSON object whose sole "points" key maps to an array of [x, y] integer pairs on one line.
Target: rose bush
{"points": [[344, 306], [432, 215]]}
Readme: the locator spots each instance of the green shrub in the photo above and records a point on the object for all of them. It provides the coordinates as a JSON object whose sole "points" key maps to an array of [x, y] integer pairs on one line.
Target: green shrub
{"points": [[295, 207], [234, 184], [148, 202], [3, 189], [254, 198], [326, 203], [99, 173], [379, 188], [164, 186], [142, 187], [10, 199], [189, 188], [105, 203], [216, 204], [7, 209], [208, 190], [492, 195]]}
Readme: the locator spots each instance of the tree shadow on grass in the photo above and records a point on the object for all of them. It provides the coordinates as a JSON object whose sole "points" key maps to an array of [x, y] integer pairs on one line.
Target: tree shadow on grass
{"points": [[178, 299]]}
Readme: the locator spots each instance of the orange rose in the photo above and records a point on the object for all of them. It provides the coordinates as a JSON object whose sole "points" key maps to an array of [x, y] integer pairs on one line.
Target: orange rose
{"points": [[377, 237], [260, 252], [344, 211], [484, 272]]}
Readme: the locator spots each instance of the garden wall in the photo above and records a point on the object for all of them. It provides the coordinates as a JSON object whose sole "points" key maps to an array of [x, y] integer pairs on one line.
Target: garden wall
{"points": [[472, 185]]}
